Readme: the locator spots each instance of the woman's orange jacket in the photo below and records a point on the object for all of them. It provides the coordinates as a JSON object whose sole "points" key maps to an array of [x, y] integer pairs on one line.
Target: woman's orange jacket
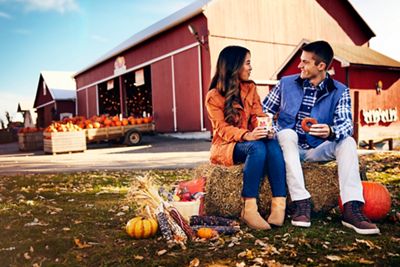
{"points": [[225, 135]]}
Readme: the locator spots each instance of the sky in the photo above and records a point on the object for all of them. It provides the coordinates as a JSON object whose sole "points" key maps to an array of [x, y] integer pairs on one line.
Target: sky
{"points": [[68, 35]]}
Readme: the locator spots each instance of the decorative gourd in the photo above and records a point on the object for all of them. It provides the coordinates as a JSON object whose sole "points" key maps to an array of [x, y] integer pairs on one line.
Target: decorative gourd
{"points": [[140, 227], [377, 201], [206, 233]]}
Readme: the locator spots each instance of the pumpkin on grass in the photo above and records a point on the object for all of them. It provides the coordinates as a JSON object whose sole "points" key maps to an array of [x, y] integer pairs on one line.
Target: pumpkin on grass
{"points": [[377, 201], [140, 227], [206, 233]]}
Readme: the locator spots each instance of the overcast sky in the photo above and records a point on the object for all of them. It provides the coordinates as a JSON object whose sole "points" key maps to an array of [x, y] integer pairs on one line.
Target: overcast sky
{"points": [[68, 35]]}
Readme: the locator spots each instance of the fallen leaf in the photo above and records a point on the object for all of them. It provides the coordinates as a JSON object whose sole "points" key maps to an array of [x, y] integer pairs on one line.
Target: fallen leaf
{"points": [[333, 258], [369, 243], [194, 263], [80, 244], [241, 264], [365, 261], [258, 261], [36, 222], [26, 256], [161, 252], [138, 257]]}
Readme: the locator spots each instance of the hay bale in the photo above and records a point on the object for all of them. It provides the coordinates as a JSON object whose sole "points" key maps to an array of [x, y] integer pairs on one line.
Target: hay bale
{"points": [[224, 186]]}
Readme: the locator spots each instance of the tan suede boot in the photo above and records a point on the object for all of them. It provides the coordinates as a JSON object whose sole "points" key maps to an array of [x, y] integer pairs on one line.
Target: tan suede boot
{"points": [[251, 217], [278, 206]]}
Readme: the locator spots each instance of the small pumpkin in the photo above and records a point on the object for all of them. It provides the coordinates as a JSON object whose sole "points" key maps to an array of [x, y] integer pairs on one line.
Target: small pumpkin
{"points": [[377, 200], [206, 233], [140, 227]]}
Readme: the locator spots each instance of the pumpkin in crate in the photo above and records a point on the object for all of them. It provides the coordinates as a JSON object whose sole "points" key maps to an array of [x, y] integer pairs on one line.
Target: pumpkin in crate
{"points": [[140, 227], [377, 200]]}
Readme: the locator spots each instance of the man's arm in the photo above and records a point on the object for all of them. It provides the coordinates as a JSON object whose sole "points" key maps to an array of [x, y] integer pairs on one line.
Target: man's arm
{"points": [[342, 120], [272, 101]]}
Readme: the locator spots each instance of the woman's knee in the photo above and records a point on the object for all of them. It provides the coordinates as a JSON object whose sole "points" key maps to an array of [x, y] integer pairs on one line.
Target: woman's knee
{"points": [[273, 148], [257, 148]]}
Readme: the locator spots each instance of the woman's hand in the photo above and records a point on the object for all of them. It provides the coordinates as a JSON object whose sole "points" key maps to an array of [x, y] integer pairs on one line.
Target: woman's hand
{"points": [[256, 134], [271, 133]]}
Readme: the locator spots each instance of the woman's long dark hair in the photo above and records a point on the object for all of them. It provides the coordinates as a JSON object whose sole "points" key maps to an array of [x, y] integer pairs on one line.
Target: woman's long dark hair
{"points": [[226, 80]]}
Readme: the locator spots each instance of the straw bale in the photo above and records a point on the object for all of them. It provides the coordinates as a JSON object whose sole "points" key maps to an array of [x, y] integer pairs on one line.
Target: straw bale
{"points": [[224, 186]]}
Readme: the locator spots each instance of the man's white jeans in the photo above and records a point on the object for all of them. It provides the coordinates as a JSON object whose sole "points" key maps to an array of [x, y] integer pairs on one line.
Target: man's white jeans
{"points": [[345, 153]]}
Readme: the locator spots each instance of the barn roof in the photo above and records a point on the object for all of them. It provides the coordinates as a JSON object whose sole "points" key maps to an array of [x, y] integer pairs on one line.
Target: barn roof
{"points": [[348, 55], [362, 55], [168, 22], [61, 84]]}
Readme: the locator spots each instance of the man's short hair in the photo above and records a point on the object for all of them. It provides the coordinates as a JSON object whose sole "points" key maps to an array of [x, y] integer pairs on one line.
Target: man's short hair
{"points": [[322, 50]]}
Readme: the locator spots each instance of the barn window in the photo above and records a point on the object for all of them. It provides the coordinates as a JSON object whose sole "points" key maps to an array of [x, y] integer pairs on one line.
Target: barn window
{"points": [[44, 88]]}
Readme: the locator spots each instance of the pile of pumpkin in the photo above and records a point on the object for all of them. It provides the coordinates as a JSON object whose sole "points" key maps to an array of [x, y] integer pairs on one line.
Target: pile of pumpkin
{"points": [[94, 122], [30, 130]]}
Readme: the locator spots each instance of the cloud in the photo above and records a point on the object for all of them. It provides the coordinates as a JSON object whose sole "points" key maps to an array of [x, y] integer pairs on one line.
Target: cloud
{"points": [[4, 15], [60, 6], [22, 31], [99, 38]]}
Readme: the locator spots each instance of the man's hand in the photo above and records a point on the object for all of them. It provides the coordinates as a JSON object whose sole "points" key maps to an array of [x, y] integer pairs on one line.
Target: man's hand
{"points": [[320, 130], [256, 134]]}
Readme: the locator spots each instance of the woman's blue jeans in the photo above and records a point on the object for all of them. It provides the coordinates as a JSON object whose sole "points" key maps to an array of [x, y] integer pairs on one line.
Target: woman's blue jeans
{"points": [[261, 157]]}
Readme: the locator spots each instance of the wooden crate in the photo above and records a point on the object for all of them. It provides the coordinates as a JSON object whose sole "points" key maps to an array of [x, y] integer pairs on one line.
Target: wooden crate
{"points": [[30, 141], [109, 133], [64, 142]]}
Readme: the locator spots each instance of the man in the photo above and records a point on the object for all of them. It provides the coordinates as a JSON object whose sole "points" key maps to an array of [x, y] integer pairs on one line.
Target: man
{"points": [[315, 94]]}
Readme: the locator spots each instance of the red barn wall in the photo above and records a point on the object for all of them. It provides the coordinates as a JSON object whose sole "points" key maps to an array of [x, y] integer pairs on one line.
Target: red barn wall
{"points": [[161, 83], [370, 100], [366, 77], [186, 77], [81, 103], [41, 98], [92, 101], [65, 107], [187, 90]]}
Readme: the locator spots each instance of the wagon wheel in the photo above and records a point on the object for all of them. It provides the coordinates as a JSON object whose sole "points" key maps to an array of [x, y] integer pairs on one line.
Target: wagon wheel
{"points": [[133, 138]]}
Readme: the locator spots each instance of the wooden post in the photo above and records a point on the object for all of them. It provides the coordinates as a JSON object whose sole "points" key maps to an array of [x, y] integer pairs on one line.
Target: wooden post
{"points": [[356, 111], [390, 143]]}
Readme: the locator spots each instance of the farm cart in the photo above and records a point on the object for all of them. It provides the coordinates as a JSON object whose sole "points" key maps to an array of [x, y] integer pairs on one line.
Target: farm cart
{"points": [[131, 134]]}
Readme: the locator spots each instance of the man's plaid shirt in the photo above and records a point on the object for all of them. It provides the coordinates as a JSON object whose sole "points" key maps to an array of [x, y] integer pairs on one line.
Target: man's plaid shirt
{"points": [[342, 120]]}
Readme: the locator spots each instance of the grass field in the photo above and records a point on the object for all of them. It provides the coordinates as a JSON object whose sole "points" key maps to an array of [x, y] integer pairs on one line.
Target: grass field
{"points": [[78, 219]]}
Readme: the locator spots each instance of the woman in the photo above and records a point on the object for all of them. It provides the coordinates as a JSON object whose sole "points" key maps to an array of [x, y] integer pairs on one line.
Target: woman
{"points": [[233, 106]]}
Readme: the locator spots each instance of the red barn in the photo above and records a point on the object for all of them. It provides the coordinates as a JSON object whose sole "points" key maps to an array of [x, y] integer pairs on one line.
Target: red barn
{"points": [[55, 97], [374, 82], [165, 69]]}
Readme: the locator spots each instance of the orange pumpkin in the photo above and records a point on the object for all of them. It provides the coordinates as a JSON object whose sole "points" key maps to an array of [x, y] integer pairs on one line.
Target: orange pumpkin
{"points": [[377, 201], [140, 227], [206, 233], [125, 122]]}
